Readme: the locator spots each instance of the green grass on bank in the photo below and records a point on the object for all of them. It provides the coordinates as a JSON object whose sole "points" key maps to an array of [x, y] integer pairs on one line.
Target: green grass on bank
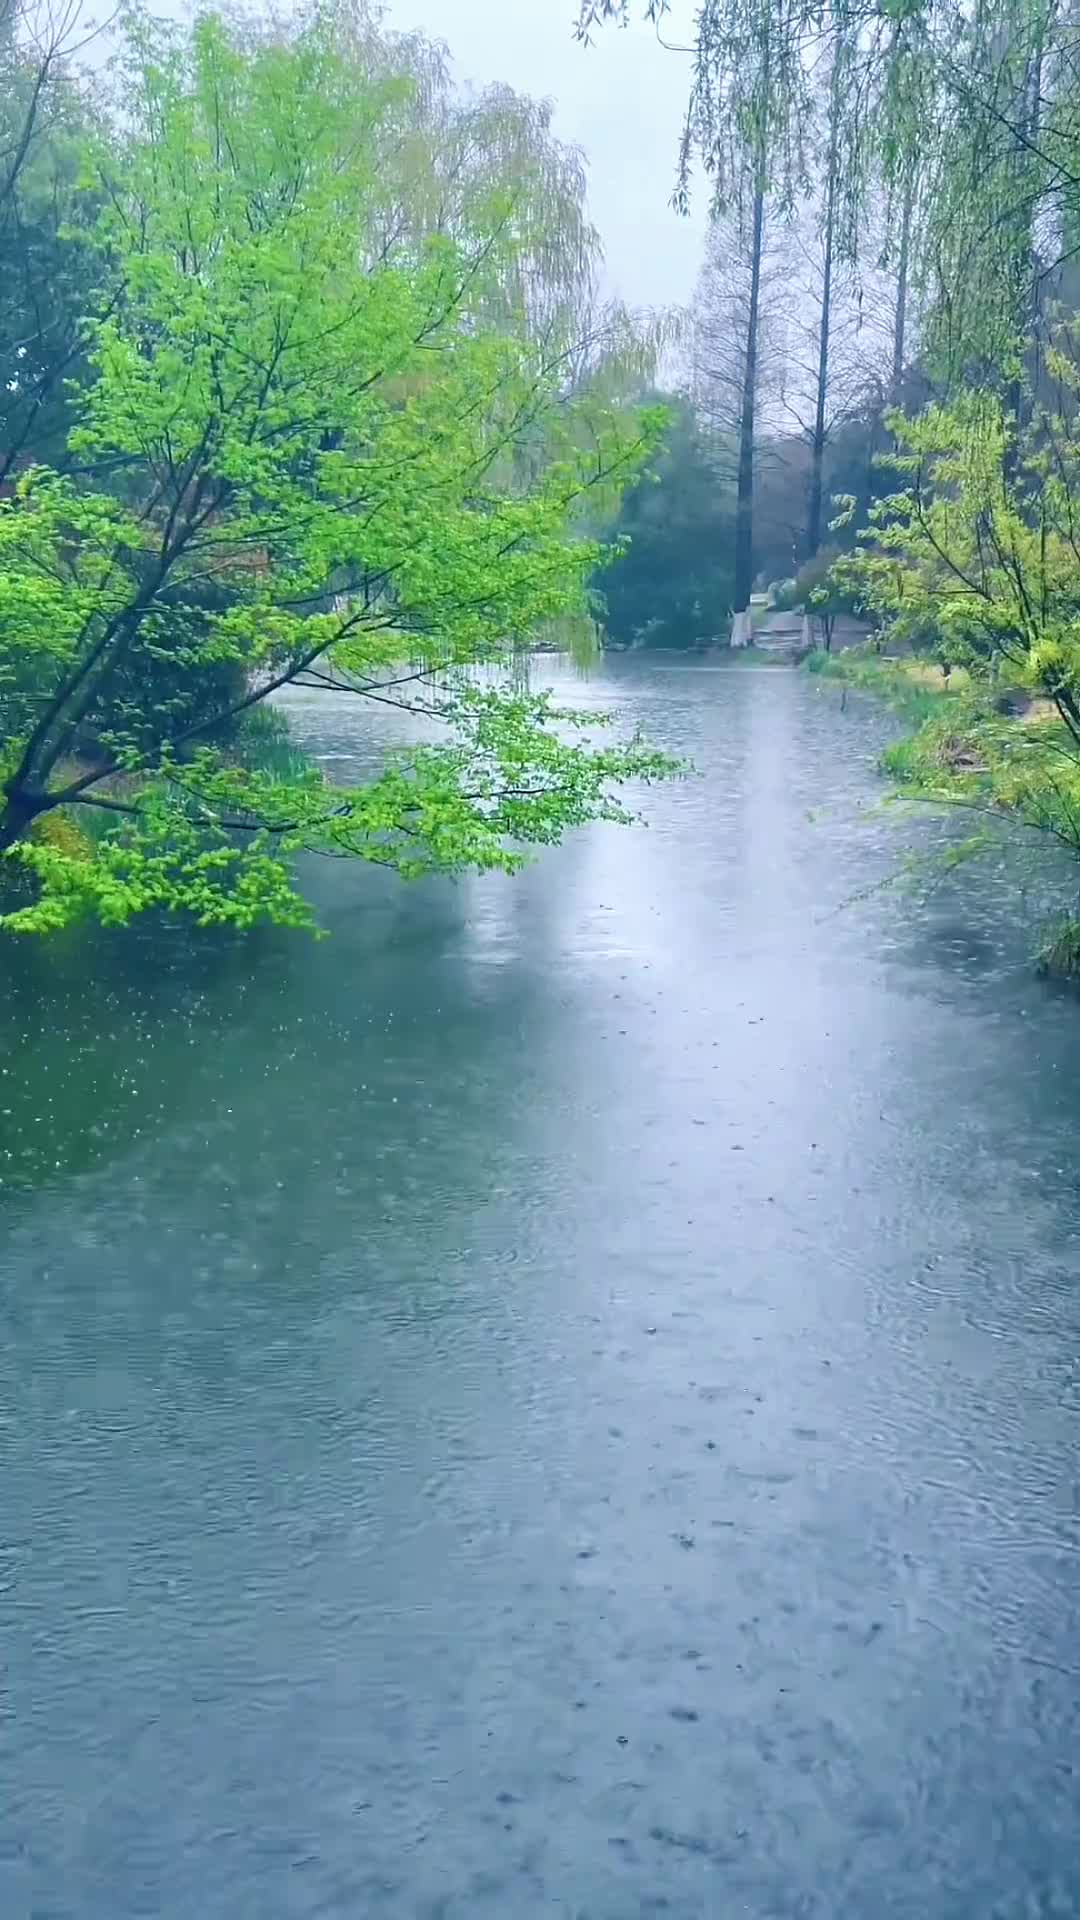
{"points": [[956, 731], [915, 688]]}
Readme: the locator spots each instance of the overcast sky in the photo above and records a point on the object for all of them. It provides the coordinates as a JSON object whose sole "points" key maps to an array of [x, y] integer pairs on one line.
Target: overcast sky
{"points": [[620, 99]]}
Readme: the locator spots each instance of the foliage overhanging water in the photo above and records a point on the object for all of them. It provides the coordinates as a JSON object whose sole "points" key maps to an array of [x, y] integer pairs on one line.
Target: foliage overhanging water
{"points": [[561, 1398]]}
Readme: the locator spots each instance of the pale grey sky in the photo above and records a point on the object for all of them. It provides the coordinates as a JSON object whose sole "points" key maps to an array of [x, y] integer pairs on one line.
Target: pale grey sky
{"points": [[620, 100]]}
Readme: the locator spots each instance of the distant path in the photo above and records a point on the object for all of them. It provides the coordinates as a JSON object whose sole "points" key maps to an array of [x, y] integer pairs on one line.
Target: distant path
{"points": [[779, 630]]}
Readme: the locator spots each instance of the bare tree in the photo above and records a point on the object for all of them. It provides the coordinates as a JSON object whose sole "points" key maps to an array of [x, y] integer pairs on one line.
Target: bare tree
{"points": [[738, 358], [838, 346], [38, 39]]}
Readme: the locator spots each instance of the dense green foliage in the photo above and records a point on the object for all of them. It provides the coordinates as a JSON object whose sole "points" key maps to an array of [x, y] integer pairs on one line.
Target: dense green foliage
{"points": [[47, 216], [335, 423], [672, 585], [978, 550]]}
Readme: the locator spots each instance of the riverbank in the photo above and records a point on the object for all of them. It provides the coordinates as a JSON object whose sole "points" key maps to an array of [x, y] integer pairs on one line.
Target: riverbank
{"points": [[993, 750], [914, 687]]}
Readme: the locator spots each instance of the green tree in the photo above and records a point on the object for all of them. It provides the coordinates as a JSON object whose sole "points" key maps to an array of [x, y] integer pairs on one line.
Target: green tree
{"points": [[672, 583], [46, 218], [979, 547], [306, 456]]}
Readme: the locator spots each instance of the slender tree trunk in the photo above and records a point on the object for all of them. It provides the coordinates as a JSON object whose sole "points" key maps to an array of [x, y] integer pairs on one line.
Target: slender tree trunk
{"points": [[903, 268], [866, 497], [744, 497], [1034, 287], [817, 445], [1021, 392]]}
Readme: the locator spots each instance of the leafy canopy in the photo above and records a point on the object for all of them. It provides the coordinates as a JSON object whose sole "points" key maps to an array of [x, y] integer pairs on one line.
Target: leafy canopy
{"points": [[672, 583], [978, 551], [318, 445]]}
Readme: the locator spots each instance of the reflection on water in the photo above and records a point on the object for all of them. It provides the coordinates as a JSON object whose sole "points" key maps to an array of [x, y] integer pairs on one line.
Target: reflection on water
{"points": [[561, 1398]]}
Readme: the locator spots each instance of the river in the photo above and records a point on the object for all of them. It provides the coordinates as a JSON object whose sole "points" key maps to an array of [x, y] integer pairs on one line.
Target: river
{"points": [[562, 1398]]}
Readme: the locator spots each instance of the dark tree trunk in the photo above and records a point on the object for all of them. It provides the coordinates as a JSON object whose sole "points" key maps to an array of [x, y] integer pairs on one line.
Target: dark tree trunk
{"points": [[744, 499], [1033, 316], [903, 266], [16, 814], [1020, 395], [817, 445]]}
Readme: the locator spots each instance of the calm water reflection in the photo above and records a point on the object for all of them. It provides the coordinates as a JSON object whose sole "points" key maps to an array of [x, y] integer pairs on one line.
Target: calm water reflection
{"points": [[562, 1399]]}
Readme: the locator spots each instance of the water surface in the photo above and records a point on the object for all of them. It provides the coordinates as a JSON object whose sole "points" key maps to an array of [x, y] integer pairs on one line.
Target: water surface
{"points": [[561, 1399]]}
